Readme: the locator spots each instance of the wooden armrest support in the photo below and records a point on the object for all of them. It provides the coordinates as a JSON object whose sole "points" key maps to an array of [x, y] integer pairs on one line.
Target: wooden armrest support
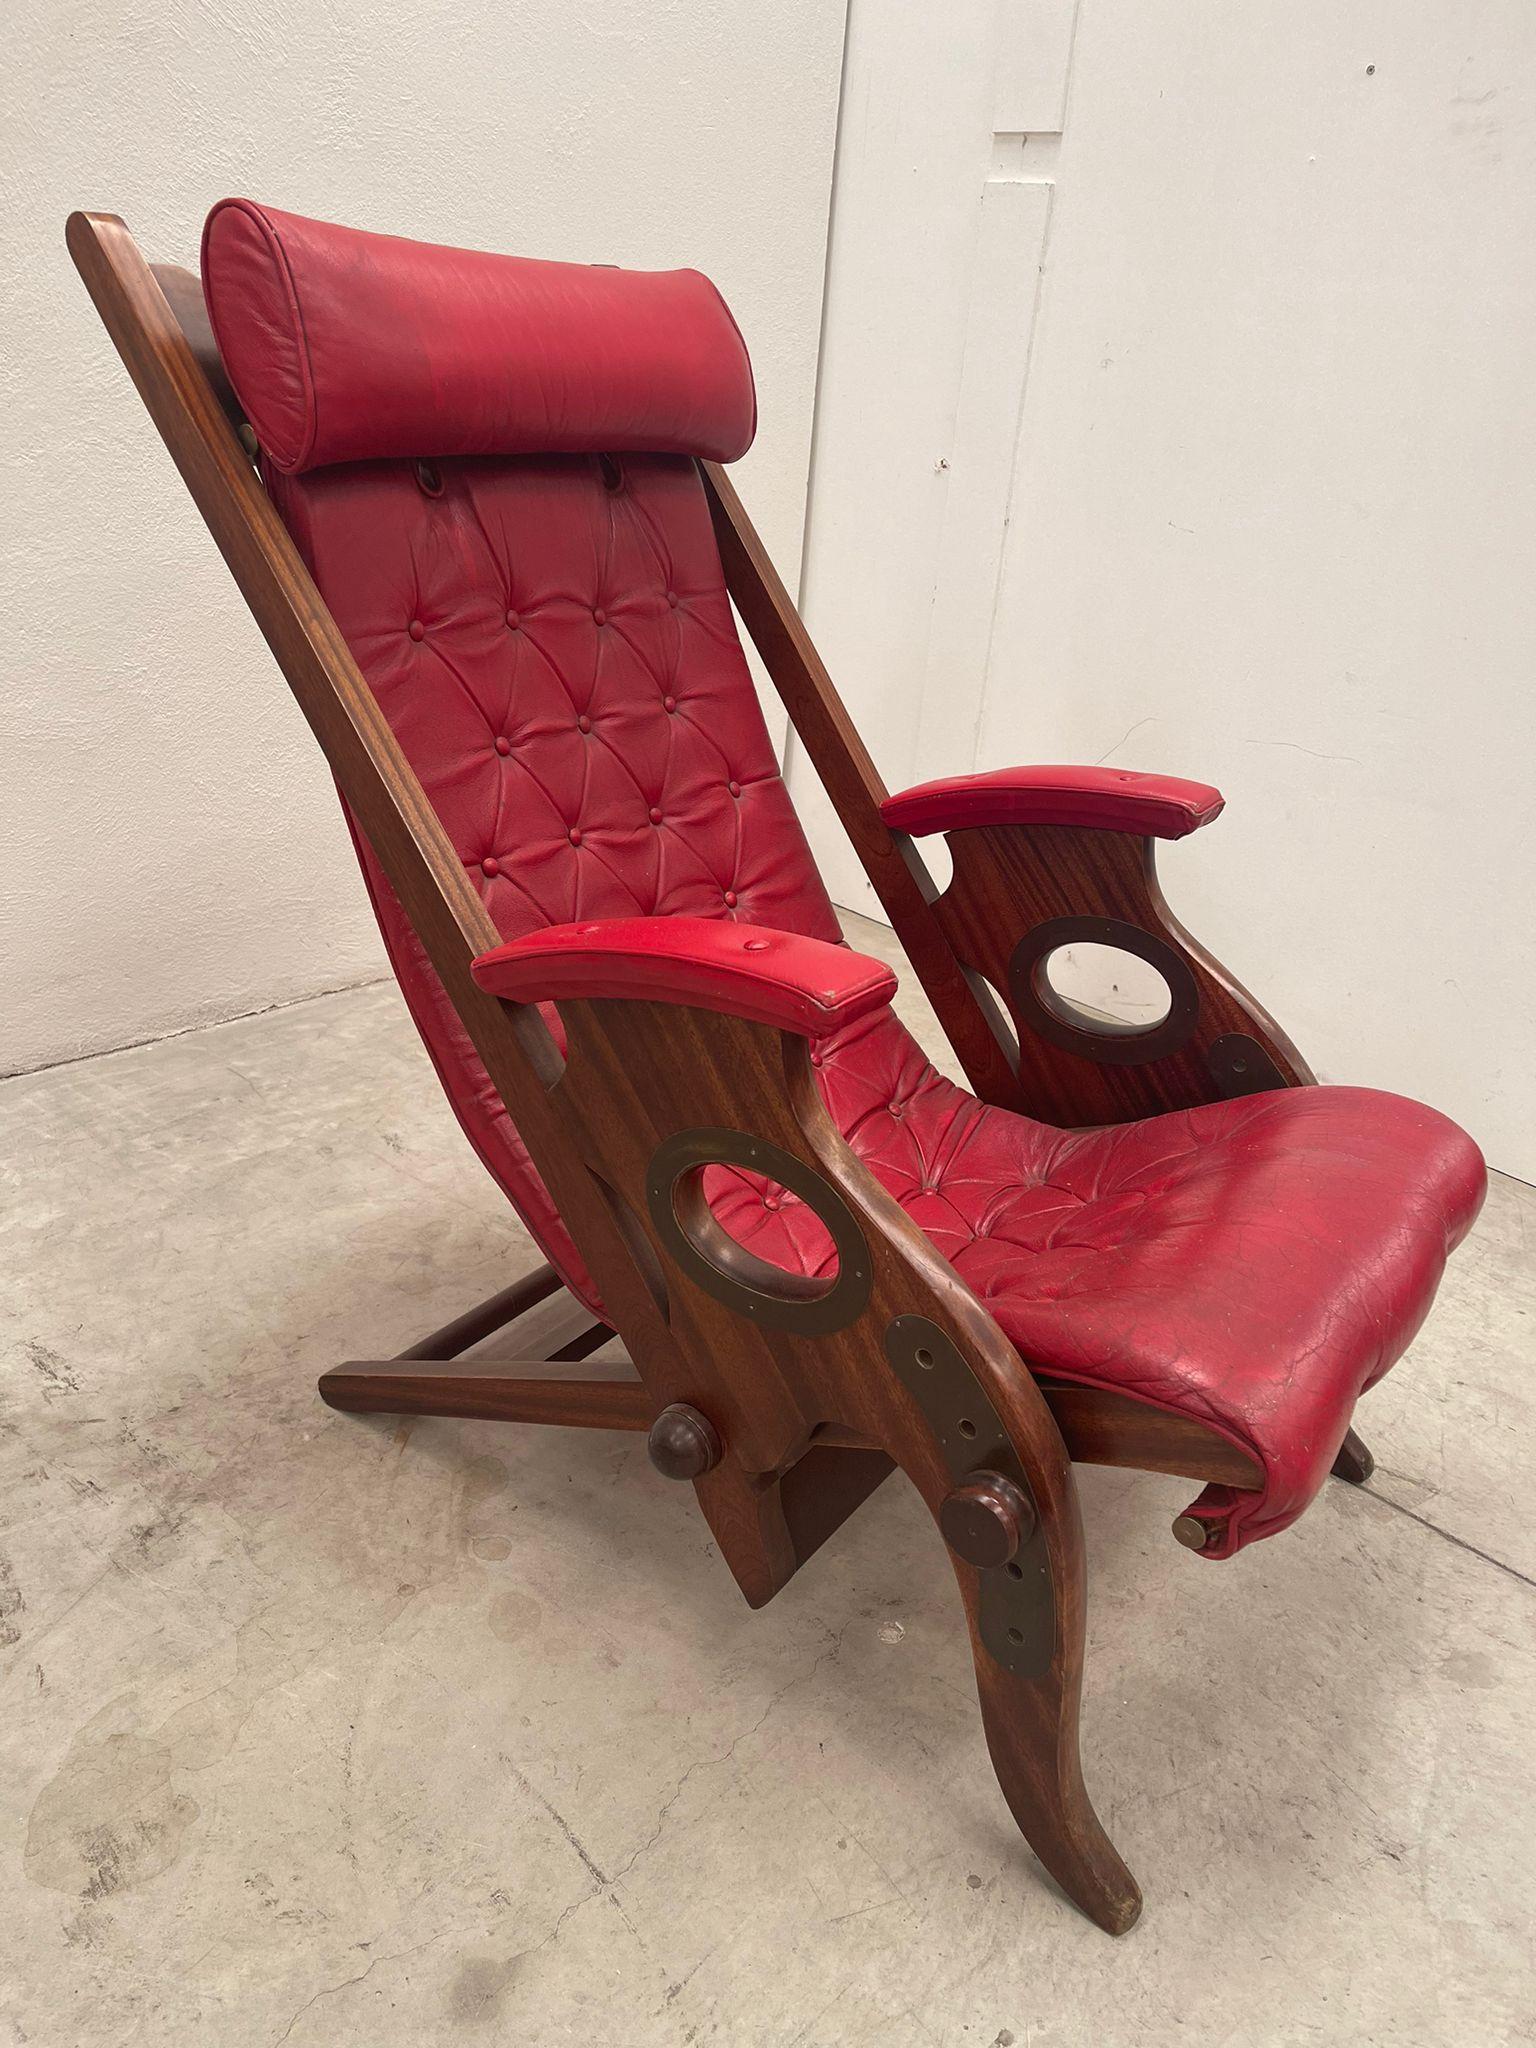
{"points": [[1020, 892], [1104, 799], [807, 986]]}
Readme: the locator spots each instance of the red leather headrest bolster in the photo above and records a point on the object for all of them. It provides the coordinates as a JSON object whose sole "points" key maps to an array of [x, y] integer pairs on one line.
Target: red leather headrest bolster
{"points": [[350, 347]]}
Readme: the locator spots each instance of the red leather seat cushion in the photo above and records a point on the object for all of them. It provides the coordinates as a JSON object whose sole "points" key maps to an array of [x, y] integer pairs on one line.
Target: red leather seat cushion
{"points": [[1254, 1264], [560, 663]]}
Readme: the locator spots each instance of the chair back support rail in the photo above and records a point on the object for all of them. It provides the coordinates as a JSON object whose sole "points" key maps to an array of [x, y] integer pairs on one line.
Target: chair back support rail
{"points": [[982, 937]]}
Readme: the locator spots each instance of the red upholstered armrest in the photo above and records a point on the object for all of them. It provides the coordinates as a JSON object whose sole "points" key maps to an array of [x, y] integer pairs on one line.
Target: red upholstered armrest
{"points": [[709, 963], [1111, 799]]}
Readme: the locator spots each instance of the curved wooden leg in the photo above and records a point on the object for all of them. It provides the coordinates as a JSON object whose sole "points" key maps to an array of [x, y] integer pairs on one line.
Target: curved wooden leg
{"points": [[1032, 1735], [1354, 1461], [994, 1471], [1031, 1728]]}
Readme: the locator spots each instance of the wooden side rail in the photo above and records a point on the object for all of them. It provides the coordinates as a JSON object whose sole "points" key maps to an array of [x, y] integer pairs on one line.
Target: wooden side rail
{"points": [[431, 1378]]}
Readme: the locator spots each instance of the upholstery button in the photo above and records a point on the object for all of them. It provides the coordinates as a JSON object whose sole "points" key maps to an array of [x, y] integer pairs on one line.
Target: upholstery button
{"points": [[490, 865], [655, 815], [672, 597], [669, 703], [417, 630], [599, 616], [770, 1201], [751, 945], [815, 1059], [730, 899], [583, 724], [734, 788], [503, 744], [574, 835], [512, 620], [898, 1110]]}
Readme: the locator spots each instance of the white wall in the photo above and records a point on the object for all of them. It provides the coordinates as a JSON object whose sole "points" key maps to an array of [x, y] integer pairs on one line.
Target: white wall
{"points": [[1273, 516], [170, 849]]}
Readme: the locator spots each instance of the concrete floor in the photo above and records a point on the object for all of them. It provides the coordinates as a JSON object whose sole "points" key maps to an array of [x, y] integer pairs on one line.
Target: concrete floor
{"points": [[327, 1730]]}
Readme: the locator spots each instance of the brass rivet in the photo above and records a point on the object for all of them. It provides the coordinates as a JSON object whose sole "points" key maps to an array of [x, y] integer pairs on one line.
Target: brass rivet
{"points": [[1190, 1533]]}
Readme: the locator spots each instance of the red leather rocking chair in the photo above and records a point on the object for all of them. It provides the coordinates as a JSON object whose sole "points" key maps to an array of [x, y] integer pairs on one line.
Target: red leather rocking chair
{"points": [[488, 541]]}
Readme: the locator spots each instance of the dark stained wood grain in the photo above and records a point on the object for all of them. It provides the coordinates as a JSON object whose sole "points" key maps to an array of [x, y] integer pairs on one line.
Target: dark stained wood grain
{"points": [[1103, 1428], [1354, 1462], [1007, 880], [638, 1072], [183, 291], [486, 1317], [493, 1392], [683, 1444]]}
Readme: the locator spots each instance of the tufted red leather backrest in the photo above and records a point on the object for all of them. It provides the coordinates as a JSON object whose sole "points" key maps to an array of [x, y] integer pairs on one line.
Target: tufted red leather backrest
{"points": [[551, 641], [548, 633]]}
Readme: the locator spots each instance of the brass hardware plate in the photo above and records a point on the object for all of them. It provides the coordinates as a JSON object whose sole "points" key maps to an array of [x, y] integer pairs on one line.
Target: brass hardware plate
{"points": [[700, 1245], [1017, 1607], [1239, 1065], [1111, 1045]]}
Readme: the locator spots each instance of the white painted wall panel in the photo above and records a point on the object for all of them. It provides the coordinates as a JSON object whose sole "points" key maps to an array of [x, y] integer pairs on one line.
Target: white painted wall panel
{"points": [[1273, 511]]}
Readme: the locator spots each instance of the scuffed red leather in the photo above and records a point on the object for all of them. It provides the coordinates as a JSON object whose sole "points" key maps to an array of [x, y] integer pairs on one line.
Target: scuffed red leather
{"points": [[1107, 799], [741, 970], [347, 347], [546, 542], [1254, 1264]]}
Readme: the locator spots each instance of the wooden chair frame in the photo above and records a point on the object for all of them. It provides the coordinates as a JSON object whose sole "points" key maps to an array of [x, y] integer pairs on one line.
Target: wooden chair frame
{"points": [[785, 1404]]}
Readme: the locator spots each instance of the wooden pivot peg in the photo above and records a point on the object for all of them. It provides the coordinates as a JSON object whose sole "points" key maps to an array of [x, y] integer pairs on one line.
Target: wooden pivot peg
{"points": [[683, 1443], [987, 1520]]}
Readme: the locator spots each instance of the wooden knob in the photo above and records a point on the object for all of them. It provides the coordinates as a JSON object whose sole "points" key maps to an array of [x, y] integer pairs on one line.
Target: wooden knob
{"points": [[1191, 1532], [987, 1520], [683, 1443]]}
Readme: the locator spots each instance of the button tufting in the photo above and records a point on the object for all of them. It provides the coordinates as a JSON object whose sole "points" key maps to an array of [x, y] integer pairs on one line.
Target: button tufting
{"points": [[669, 703], [751, 945], [583, 724], [1266, 1194], [599, 616], [574, 835], [730, 899]]}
